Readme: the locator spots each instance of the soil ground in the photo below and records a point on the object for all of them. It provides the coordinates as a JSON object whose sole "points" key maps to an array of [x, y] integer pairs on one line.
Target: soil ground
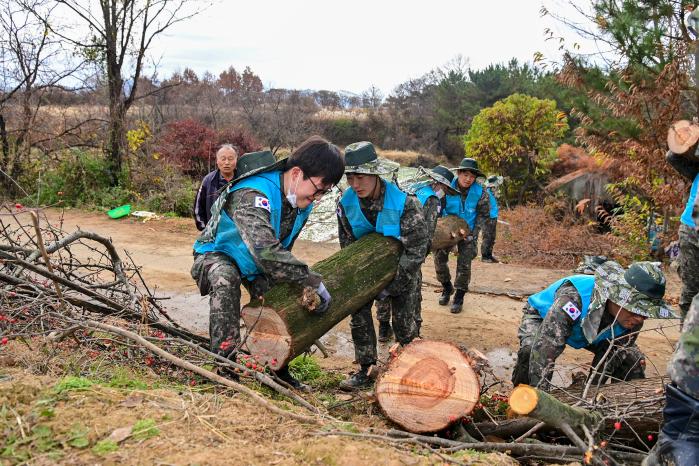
{"points": [[212, 426]]}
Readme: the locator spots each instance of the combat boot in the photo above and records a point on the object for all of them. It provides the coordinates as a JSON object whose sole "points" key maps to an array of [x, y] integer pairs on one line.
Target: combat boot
{"points": [[295, 383], [447, 291], [458, 304], [385, 331], [678, 442], [358, 380], [489, 259]]}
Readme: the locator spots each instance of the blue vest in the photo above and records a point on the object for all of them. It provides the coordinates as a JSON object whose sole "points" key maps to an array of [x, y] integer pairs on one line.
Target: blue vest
{"points": [[388, 220], [686, 217], [493, 204], [466, 209], [228, 240], [424, 193], [584, 284]]}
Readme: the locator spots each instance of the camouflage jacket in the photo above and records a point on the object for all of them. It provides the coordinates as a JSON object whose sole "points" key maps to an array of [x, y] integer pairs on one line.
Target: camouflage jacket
{"points": [[431, 212], [277, 263], [413, 237], [558, 326]]}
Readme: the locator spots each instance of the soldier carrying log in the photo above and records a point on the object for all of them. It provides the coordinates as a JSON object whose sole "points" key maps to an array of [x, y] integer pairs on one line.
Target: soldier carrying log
{"points": [[373, 204], [429, 189], [252, 229], [473, 205], [591, 312]]}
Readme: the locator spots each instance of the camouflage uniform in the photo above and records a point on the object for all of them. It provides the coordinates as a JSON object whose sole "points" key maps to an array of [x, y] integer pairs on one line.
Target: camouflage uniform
{"points": [[684, 366], [466, 249], [542, 340], [430, 211], [403, 299], [688, 265], [490, 226], [218, 275]]}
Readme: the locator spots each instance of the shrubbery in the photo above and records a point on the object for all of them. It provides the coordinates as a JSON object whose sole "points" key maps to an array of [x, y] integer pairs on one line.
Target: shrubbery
{"points": [[192, 146]]}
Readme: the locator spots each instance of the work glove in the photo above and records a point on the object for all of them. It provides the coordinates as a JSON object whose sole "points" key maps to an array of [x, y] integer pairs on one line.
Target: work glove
{"points": [[325, 299], [383, 294]]}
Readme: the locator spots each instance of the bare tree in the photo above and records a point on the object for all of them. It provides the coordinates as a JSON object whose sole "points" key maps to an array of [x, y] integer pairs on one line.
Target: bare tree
{"points": [[33, 62], [120, 34], [372, 97]]}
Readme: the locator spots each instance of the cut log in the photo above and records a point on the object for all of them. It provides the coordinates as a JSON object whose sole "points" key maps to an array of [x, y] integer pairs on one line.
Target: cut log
{"points": [[449, 231], [639, 403], [682, 136], [281, 327], [428, 386], [532, 402]]}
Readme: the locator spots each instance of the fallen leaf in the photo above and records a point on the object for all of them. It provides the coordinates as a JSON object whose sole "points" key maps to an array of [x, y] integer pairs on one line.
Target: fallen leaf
{"points": [[508, 279], [120, 434]]}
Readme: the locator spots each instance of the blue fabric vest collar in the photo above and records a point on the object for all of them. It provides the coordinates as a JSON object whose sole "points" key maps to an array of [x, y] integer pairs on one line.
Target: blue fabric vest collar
{"points": [[465, 209], [228, 239], [387, 221], [584, 284]]}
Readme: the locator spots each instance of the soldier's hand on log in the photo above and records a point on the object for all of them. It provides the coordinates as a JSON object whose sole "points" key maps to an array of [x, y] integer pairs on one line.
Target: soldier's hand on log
{"points": [[383, 295], [325, 299]]}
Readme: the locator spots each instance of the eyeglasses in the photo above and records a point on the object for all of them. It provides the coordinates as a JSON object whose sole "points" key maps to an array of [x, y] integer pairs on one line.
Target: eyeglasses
{"points": [[319, 192]]}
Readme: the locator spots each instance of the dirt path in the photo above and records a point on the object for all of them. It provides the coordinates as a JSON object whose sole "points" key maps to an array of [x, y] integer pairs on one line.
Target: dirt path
{"points": [[488, 323]]}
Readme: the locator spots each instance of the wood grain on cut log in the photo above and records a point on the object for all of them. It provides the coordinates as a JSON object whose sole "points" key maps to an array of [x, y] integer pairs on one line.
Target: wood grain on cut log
{"points": [[282, 327], [449, 231], [529, 401], [427, 386]]}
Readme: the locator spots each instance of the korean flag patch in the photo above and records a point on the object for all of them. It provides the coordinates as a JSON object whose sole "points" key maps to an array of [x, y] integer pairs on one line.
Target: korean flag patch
{"points": [[571, 310], [263, 202]]}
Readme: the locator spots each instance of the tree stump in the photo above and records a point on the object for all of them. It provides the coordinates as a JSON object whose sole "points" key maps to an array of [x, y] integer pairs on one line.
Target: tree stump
{"points": [[449, 231], [281, 326], [428, 386]]}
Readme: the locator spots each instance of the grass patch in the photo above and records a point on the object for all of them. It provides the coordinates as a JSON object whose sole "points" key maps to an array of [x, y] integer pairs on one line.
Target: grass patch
{"points": [[125, 379], [72, 383], [306, 369], [145, 429], [104, 447]]}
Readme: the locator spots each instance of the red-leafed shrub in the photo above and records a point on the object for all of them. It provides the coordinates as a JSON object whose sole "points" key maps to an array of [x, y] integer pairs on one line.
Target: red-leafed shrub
{"points": [[192, 146]]}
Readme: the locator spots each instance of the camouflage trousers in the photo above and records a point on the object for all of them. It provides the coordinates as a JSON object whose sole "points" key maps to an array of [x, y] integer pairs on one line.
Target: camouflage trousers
{"points": [[218, 276], [688, 266], [488, 237], [621, 363], [402, 310], [467, 251], [684, 365], [383, 306]]}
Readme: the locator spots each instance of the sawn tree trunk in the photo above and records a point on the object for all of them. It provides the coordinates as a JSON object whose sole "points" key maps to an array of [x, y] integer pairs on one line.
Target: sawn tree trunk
{"points": [[281, 327]]}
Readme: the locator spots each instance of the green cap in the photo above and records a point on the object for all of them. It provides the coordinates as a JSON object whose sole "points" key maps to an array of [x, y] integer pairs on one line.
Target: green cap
{"points": [[252, 163], [639, 290], [361, 158], [470, 165]]}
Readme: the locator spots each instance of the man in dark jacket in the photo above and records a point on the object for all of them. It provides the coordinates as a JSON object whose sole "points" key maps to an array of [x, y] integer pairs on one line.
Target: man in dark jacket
{"points": [[213, 183]]}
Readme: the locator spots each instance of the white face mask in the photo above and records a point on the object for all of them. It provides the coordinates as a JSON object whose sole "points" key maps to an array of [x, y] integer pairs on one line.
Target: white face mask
{"points": [[291, 197], [439, 193]]}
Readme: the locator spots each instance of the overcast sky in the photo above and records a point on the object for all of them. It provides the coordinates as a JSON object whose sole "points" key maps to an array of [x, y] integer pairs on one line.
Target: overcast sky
{"points": [[351, 45]]}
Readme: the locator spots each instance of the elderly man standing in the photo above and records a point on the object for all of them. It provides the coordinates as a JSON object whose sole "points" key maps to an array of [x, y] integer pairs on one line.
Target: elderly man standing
{"points": [[592, 312], [213, 183]]}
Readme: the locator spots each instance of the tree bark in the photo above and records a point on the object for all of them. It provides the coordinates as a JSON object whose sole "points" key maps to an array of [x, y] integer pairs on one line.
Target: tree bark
{"points": [[428, 386], [532, 402], [637, 404], [449, 231], [281, 327]]}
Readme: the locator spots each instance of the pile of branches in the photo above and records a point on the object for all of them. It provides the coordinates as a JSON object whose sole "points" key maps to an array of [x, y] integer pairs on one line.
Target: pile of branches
{"points": [[61, 287]]}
